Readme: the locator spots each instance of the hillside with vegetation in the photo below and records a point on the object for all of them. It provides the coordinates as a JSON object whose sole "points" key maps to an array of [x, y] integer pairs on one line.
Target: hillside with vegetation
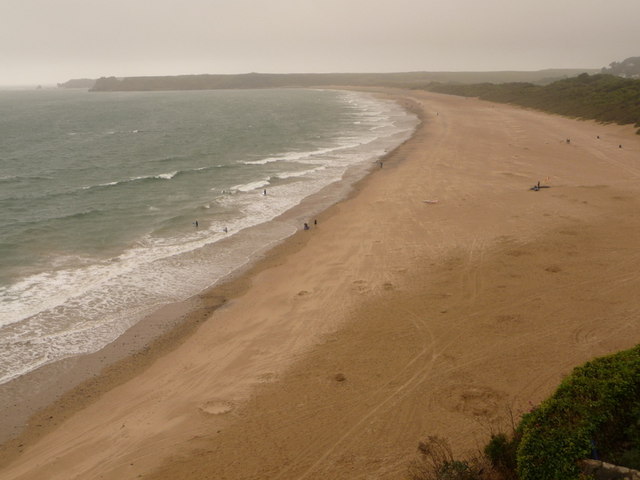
{"points": [[269, 80], [601, 97]]}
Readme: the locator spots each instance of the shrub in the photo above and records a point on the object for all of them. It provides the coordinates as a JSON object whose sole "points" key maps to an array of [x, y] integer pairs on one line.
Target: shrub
{"points": [[596, 406], [436, 462], [501, 452]]}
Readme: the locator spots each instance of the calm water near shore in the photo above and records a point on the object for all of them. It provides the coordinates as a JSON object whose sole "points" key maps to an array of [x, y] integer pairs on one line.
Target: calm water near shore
{"points": [[100, 195]]}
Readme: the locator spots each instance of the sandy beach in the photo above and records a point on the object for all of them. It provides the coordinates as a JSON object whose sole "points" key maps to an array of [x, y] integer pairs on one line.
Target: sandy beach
{"points": [[443, 297]]}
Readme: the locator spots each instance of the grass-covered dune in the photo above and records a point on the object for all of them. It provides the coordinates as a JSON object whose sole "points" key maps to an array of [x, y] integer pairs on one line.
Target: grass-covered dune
{"points": [[605, 98]]}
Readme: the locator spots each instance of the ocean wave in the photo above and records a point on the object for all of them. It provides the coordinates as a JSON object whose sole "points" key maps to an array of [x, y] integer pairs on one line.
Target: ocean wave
{"points": [[302, 173], [38, 226], [264, 161], [169, 159], [161, 176], [297, 156], [20, 178], [122, 132], [108, 184], [165, 176], [247, 187]]}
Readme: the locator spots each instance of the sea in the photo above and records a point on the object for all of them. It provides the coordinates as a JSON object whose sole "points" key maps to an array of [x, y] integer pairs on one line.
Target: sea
{"points": [[114, 204]]}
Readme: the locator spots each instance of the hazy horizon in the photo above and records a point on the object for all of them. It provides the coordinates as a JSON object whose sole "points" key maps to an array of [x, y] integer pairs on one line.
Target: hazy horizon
{"points": [[46, 43]]}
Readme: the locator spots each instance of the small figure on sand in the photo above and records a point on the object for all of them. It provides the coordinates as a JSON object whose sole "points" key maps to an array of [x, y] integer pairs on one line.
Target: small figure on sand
{"points": [[315, 222], [380, 162], [225, 230], [264, 192], [306, 226], [537, 186], [196, 223], [619, 146], [568, 140]]}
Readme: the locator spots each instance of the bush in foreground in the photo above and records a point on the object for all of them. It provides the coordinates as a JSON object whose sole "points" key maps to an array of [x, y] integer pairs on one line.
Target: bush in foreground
{"points": [[594, 412], [436, 462]]}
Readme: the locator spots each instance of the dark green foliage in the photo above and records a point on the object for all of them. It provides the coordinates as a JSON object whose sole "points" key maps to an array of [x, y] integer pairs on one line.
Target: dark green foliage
{"points": [[605, 98], [598, 405], [501, 452]]}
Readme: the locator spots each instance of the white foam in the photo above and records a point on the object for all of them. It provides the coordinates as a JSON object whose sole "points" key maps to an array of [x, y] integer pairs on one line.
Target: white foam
{"points": [[263, 161], [161, 176], [167, 176], [302, 173], [250, 186]]}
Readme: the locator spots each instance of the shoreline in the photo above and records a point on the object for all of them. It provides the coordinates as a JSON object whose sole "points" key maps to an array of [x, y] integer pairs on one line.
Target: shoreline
{"points": [[50, 386], [444, 277], [159, 261]]}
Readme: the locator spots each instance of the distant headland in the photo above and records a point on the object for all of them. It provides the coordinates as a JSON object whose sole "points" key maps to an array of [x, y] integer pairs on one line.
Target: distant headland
{"points": [[270, 80], [78, 83], [628, 68]]}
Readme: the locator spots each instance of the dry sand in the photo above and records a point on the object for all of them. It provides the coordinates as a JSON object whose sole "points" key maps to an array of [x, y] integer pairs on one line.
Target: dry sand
{"points": [[440, 299]]}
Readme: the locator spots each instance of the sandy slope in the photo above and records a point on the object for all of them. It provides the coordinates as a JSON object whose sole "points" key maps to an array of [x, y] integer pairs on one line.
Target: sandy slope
{"points": [[446, 293]]}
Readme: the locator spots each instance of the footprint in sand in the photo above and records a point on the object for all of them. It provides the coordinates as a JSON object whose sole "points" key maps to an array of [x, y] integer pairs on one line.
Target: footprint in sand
{"points": [[360, 286], [216, 407], [476, 401]]}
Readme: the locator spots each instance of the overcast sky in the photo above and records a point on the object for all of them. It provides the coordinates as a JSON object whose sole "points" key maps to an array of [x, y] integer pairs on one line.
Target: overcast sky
{"points": [[49, 41]]}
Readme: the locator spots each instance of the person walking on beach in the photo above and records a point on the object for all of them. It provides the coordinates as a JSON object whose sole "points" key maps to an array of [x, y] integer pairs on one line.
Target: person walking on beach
{"points": [[306, 226], [264, 192], [196, 223]]}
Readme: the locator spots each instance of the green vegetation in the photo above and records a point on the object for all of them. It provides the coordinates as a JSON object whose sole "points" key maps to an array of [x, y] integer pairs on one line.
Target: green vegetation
{"points": [[605, 98], [501, 452], [596, 407]]}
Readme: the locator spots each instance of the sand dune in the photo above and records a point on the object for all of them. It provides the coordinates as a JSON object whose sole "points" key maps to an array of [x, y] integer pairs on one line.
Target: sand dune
{"points": [[441, 298]]}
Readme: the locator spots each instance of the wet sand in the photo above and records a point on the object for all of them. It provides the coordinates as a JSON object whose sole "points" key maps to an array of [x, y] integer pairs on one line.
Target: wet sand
{"points": [[441, 298]]}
